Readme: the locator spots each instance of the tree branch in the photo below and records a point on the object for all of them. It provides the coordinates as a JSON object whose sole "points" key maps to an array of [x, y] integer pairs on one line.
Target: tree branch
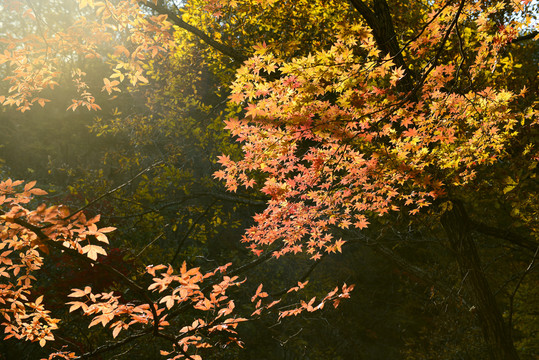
{"points": [[379, 20], [412, 269], [111, 191], [525, 37], [434, 61], [113, 345], [503, 235], [189, 231], [177, 20], [74, 253], [304, 277], [237, 199], [513, 294]]}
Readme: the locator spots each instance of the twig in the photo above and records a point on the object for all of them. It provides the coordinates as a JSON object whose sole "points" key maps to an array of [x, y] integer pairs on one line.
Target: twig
{"points": [[113, 190], [304, 277], [189, 231], [512, 297]]}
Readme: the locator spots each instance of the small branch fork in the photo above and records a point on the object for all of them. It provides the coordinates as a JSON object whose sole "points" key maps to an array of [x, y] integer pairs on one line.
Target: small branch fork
{"points": [[113, 190]]}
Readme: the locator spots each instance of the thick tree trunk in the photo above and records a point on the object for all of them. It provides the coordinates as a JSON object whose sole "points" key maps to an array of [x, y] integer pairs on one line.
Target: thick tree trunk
{"points": [[497, 336]]}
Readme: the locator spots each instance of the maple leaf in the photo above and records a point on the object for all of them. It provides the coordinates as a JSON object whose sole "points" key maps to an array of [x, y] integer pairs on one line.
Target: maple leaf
{"points": [[362, 223], [410, 132], [260, 48], [396, 75], [237, 97], [36, 191], [338, 245], [259, 293], [84, 3], [116, 331], [253, 111]]}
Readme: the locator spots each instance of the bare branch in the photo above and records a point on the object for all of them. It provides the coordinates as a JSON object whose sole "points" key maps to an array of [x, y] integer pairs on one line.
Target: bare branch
{"points": [[112, 190], [189, 231]]}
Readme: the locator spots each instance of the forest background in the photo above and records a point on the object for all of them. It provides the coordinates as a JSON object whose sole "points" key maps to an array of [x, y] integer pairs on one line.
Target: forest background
{"points": [[213, 169]]}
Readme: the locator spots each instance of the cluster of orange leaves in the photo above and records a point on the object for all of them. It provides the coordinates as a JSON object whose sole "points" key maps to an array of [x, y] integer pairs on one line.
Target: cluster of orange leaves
{"points": [[374, 148], [37, 60], [334, 296], [175, 290], [334, 137], [27, 236]]}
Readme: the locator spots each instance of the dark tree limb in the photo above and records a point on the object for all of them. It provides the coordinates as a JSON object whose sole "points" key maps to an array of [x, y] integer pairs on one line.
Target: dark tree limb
{"points": [[303, 278], [525, 37], [416, 271], [113, 345], [434, 61], [379, 20], [514, 293], [111, 191], [237, 199], [238, 56], [503, 235]]}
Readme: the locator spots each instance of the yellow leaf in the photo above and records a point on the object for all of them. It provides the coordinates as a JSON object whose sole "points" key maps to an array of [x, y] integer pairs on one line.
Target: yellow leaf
{"points": [[84, 3]]}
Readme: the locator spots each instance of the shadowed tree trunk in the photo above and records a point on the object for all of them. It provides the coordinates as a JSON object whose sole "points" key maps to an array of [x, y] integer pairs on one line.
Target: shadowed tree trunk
{"points": [[379, 20], [497, 337]]}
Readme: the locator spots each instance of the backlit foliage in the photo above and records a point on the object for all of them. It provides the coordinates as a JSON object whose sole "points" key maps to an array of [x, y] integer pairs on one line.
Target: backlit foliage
{"points": [[336, 129], [29, 235], [340, 141]]}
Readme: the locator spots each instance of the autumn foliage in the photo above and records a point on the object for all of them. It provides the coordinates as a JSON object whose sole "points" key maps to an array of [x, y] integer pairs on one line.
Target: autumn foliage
{"points": [[334, 136], [27, 236]]}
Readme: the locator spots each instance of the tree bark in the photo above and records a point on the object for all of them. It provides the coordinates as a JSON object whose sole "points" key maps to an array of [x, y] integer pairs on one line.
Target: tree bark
{"points": [[379, 20], [497, 336]]}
